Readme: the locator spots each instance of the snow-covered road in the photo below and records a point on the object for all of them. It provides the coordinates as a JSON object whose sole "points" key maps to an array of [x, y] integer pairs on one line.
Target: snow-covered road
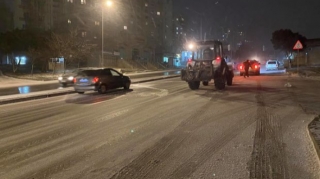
{"points": [[161, 129]]}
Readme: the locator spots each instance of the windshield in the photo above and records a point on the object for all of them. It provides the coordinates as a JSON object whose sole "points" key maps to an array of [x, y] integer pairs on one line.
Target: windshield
{"points": [[272, 62], [89, 73], [208, 52]]}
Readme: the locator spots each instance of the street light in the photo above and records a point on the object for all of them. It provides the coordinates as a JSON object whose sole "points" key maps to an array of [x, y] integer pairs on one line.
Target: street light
{"points": [[108, 3], [191, 46]]}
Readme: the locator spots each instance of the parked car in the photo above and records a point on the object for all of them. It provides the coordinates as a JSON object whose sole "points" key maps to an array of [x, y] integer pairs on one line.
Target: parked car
{"points": [[254, 68], [100, 80], [272, 65], [67, 78]]}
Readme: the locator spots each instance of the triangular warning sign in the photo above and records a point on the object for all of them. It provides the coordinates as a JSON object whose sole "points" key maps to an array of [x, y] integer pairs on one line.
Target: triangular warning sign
{"points": [[298, 46]]}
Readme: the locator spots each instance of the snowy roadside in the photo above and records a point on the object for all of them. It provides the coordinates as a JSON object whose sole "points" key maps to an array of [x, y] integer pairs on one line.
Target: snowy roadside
{"points": [[56, 92], [6, 82], [28, 80], [314, 129]]}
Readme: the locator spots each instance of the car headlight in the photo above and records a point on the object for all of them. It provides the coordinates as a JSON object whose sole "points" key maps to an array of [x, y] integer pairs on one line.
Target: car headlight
{"points": [[70, 78], [60, 78]]}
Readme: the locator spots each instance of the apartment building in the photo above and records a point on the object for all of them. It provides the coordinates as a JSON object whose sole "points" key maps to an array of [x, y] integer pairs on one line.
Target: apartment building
{"points": [[132, 30]]}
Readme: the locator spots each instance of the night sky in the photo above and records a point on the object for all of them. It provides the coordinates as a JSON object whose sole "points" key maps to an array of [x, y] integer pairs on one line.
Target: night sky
{"points": [[258, 18]]}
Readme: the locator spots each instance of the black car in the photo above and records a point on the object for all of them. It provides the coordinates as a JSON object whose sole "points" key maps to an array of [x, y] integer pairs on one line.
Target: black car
{"points": [[100, 80]]}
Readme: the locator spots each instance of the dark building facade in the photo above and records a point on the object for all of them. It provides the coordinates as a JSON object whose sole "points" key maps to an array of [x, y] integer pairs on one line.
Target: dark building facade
{"points": [[136, 31]]}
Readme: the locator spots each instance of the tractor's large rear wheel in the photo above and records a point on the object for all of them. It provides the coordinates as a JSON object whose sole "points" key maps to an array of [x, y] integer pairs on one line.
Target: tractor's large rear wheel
{"points": [[220, 83], [194, 85]]}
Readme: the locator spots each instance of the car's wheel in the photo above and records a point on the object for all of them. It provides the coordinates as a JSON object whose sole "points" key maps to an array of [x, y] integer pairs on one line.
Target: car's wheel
{"points": [[80, 92], [229, 80], [194, 85], [102, 89], [126, 86], [205, 83], [219, 83]]}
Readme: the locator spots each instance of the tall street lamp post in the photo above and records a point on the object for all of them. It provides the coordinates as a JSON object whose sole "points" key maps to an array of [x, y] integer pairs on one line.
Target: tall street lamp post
{"points": [[201, 19], [108, 3]]}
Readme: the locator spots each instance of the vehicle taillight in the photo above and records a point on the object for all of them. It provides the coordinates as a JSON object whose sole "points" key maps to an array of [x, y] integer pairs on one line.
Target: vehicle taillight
{"points": [[74, 80], [189, 60], [256, 66], [95, 80], [241, 67]]}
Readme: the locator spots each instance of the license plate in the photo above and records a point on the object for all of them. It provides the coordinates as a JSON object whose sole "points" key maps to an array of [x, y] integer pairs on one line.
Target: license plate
{"points": [[83, 80]]}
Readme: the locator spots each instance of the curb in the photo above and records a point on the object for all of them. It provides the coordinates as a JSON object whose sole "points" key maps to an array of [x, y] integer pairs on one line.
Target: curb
{"points": [[53, 94], [155, 79], [311, 129]]}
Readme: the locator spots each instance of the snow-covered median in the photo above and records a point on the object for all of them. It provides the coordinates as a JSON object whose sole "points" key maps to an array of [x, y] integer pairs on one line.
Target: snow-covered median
{"points": [[7, 82]]}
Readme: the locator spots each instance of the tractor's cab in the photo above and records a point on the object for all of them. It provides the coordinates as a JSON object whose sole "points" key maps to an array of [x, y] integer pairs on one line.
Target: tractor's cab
{"points": [[205, 53], [206, 63]]}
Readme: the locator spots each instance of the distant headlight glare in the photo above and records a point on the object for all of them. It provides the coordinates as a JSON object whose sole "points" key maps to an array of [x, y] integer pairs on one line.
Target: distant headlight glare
{"points": [[60, 78], [70, 78]]}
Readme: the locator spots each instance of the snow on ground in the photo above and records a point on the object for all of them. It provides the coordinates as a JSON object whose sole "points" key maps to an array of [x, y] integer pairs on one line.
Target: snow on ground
{"points": [[6, 82]]}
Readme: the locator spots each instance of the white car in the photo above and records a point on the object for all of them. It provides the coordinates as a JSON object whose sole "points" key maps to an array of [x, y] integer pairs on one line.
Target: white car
{"points": [[272, 65]]}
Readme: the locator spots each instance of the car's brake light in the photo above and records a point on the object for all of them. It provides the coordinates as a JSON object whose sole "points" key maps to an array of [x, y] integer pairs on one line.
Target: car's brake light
{"points": [[256, 66], [74, 80], [95, 80], [241, 67]]}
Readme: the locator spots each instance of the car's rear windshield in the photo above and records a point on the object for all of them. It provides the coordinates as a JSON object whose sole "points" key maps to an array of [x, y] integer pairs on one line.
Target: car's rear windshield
{"points": [[272, 62], [89, 72]]}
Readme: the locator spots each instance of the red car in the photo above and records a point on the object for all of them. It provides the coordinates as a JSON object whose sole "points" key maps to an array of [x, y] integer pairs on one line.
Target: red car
{"points": [[254, 68]]}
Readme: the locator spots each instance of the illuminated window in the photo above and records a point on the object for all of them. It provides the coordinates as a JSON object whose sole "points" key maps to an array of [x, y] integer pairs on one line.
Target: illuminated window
{"points": [[71, 1], [83, 2], [96, 23], [125, 27], [146, 23], [146, 4], [165, 59], [69, 21], [84, 34], [158, 13], [22, 60]]}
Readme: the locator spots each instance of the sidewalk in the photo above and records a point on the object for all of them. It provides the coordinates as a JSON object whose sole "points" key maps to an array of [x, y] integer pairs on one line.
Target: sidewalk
{"points": [[314, 130], [306, 86], [7, 82]]}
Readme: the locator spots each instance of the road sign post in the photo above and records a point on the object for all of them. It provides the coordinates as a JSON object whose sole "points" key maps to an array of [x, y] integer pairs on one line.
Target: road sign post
{"points": [[298, 46]]}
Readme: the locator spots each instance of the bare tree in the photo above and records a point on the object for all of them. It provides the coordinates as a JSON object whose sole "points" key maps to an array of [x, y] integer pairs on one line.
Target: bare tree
{"points": [[71, 46]]}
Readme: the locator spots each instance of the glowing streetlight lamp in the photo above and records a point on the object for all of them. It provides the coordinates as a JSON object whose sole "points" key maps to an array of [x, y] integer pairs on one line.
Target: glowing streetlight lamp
{"points": [[190, 46], [108, 3]]}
